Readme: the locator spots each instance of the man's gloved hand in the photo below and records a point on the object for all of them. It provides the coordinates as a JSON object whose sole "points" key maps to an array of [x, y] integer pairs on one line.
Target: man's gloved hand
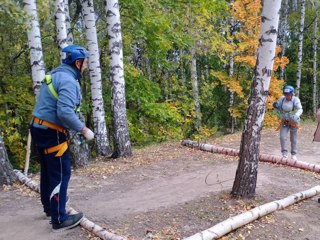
{"points": [[87, 133], [275, 105], [296, 119]]}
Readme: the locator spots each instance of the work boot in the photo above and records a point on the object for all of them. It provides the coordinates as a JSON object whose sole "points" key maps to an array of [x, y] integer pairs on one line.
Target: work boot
{"points": [[48, 214], [71, 222], [294, 157]]}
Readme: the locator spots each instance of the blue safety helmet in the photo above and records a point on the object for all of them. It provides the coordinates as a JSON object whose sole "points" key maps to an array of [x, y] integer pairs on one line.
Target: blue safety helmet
{"points": [[74, 52], [288, 89]]}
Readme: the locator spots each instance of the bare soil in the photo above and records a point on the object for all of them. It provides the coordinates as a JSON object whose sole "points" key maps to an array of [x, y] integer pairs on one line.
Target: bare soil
{"points": [[175, 192]]}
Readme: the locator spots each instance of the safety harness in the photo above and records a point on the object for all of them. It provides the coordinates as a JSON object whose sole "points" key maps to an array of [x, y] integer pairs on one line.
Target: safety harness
{"points": [[287, 123], [62, 147]]}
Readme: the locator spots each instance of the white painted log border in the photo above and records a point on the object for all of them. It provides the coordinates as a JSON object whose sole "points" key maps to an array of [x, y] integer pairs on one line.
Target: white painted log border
{"points": [[85, 223], [235, 222], [263, 157]]}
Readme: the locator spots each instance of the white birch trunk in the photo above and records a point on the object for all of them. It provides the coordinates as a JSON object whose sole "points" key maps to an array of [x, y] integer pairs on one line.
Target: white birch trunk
{"points": [[207, 68], [195, 89], [300, 47], [263, 157], [61, 28], [100, 128], [35, 46], [79, 149], [36, 57], [283, 28], [294, 5], [85, 223], [148, 66], [68, 23], [246, 175], [315, 54], [122, 144], [182, 70], [242, 219], [231, 68]]}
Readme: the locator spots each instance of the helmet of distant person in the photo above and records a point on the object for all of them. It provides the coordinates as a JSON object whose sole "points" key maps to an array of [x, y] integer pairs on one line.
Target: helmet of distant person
{"points": [[288, 89], [73, 53]]}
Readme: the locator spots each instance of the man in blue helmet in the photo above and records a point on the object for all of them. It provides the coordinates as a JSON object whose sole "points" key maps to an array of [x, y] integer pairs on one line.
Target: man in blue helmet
{"points": [[290, 111], [55, 113]]}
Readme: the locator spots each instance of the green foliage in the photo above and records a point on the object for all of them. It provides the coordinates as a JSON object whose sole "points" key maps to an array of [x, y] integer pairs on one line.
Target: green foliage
{"points": [[16, 105], [157, 38], [149, 119]]}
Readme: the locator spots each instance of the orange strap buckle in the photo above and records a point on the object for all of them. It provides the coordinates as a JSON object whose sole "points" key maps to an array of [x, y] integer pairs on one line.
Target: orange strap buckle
{"points": [[60, 149]]}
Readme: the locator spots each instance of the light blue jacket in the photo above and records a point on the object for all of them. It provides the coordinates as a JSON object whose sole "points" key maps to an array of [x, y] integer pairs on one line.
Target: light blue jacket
{"points": [[290, 108], [61, 111]]}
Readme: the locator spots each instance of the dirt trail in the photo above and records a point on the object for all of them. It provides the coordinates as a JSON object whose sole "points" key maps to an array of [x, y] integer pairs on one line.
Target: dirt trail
{"points": [[162, 188]]}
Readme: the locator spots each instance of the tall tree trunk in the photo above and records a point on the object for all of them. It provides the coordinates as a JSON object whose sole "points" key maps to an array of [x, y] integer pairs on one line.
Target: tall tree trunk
{"points": [[36, 57], [300, 46], [207, 66], [122, 143], [231, 95], [35, 46], [195, 89], [61, 27], [231, 69], [100, 128], [283, 28], [80, 152], [182, 70], [165, 84], [294, 5], [148, 67], [246, 175], [315, 53], [68, 23], [7, 176]]}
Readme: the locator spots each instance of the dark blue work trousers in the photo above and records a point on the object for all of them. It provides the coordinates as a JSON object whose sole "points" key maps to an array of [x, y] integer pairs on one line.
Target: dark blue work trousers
{"points": [[55, 173]]}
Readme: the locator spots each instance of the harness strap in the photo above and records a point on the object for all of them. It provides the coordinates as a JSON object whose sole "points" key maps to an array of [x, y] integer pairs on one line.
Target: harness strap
{"points": [[289, 123], [48, 81], [49, 125], [60, 149]]}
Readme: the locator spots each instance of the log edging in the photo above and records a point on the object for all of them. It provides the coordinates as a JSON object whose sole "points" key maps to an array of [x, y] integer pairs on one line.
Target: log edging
{"points": [[263, 157], [242, 219]]}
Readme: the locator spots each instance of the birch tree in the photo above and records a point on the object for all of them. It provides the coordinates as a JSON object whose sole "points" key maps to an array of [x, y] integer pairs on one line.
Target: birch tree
{"points": [[100, 129], [300, 46], [231, 67], [246, 175], [294, 5], [68, 23], [122, 144], [193, 70], [195, 89], [61, 28], [35, 46], [79, 149], [36, 56], [315, 54], [283, 28], [7, 176]]}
